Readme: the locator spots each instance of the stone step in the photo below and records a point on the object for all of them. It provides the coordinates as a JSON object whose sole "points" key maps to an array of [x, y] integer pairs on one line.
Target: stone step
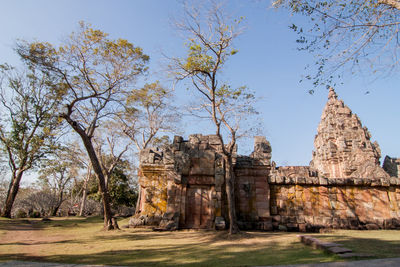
{"points": [[329, 247]]}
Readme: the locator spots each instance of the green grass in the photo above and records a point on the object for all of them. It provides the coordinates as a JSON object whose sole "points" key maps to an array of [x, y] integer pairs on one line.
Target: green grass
{"points": [[81, 241]]}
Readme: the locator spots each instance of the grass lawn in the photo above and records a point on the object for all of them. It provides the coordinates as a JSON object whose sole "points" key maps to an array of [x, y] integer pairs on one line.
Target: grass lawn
{"points": [[81, 241], [380, 243]]}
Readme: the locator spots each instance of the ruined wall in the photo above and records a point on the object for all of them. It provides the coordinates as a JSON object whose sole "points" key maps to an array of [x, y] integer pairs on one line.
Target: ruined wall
{"points": [[252, 188], [154, 192], [183, 185], [307, 204], [392, 166]]}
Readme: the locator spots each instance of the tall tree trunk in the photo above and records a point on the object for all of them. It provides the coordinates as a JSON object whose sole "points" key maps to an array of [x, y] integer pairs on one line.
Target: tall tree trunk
{"points": [[230, 190], [84, 193], [137, 209], [12, 193], [83, 201], [58, 205], [110, 223]]}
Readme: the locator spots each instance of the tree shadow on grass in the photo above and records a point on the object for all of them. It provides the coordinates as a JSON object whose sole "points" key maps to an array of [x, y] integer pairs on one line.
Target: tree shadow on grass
{"points": [[38, 224], [204, 252], [200, 236], [42, 243]]}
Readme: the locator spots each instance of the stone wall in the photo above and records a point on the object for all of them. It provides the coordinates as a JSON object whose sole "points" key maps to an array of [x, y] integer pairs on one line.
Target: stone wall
{"points": [[252, 196], [183, 185], [304, 204]]}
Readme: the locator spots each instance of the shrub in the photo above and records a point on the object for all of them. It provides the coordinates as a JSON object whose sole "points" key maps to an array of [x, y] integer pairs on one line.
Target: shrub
{"points": [[20, 214], [35, 214]]}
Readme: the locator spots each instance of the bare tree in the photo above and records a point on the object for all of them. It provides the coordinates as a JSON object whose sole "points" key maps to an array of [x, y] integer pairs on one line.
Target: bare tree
{"points": [[149, 111], [109, 148], [84, 189], [28, 124], [348, 36], [96, 73], [209, 38], [57, 173]]}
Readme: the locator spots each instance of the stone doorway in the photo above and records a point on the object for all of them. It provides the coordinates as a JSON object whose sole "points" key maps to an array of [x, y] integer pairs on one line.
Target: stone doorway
{"points": [[198, 207]]}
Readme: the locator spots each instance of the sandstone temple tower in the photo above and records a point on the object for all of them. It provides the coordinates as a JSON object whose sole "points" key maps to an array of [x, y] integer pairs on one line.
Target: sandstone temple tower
{"points": [[342, 145], [182, 184]]}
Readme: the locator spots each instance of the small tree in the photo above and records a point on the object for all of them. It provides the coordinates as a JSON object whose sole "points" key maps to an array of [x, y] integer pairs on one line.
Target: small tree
{"points": [[209, 46], [352, 36], [57, 174], [96, 74], [28, 124], [36, 202], [122, 192]]}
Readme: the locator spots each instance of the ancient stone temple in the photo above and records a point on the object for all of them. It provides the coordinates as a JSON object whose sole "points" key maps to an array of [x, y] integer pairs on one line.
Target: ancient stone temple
{"points": [[182, 185], [342, 145]]}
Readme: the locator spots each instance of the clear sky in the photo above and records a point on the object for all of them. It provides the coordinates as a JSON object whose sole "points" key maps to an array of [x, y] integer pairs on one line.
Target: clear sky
{"points": [[267, 62]]}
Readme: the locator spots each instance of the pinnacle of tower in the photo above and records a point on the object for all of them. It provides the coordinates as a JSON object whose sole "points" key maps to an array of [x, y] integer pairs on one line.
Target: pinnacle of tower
{"points": [[342, 146], [332, 93]]}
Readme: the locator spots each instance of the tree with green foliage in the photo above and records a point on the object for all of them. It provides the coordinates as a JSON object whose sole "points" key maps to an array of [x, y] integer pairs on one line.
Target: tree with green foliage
{"points": [[122, 193], [209, 44], [96, 74], [27, 126], [348, 36]]}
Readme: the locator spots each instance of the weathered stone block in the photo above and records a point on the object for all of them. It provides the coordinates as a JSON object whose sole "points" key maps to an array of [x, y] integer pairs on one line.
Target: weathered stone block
{"points": [[301, 180], [220, 223], [263, 212], [372, 226], [274, 210], [219, 180], [323, 181], [338, 250], [302, 227], [194, 139], [214, 140], [282, 227], [178, 139]]}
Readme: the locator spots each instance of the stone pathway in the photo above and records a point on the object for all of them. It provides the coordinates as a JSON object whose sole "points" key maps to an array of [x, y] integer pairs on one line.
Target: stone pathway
{"points": [[333, 248]]}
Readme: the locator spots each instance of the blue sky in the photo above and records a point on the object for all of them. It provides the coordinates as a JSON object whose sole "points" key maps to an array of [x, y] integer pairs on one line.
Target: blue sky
{"points": [[267, 62]]}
